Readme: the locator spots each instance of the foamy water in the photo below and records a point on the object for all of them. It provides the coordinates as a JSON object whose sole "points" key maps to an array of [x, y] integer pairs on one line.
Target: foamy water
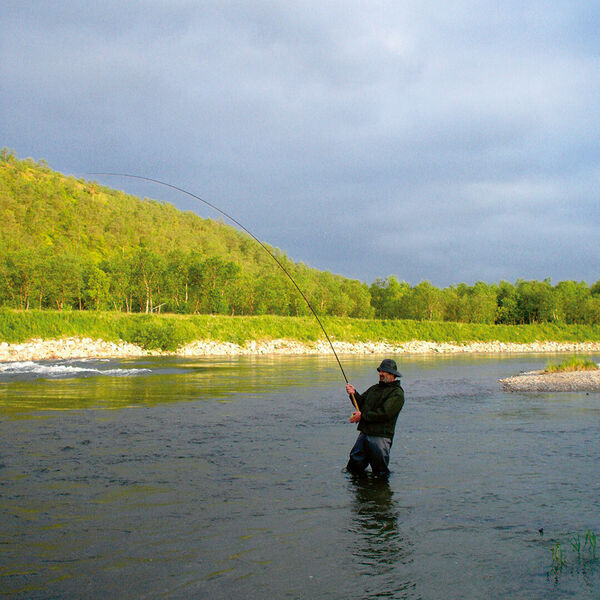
{"points": [[63, 369]]}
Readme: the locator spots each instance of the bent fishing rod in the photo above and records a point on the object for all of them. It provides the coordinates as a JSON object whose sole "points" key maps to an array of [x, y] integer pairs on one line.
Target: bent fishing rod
{"points": [[264, 247]]}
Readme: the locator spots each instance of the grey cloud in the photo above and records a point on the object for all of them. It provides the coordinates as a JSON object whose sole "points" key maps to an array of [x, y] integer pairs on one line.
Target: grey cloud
{"points": [[419, 139]]}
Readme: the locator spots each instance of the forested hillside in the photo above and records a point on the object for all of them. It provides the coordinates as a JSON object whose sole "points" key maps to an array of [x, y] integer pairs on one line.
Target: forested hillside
{"points": [[70, 244]]}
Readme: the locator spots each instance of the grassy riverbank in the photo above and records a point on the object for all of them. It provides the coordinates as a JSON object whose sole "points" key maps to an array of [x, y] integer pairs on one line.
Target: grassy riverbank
{"points": [[168, 332]]}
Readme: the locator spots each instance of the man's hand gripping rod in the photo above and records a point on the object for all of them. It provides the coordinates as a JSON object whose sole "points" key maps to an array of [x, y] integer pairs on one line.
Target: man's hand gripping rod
{"points": [[353, 400]]}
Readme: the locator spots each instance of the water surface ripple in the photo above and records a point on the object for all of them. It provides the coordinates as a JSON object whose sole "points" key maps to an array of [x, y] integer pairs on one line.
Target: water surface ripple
{"points": [[222, 478]]}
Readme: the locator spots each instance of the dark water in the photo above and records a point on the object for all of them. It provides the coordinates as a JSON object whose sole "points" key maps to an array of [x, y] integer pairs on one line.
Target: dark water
{"points": [[223, 478]]}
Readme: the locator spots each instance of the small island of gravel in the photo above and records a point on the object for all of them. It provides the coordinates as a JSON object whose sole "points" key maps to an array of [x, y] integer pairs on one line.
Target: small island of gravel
{"points": [[572, 375], [540, 381]]}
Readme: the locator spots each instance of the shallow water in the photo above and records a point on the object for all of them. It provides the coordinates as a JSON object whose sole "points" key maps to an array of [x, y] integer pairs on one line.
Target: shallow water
{"points": [[222, 478]]}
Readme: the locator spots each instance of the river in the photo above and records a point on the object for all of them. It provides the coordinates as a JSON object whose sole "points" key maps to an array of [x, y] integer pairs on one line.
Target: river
{"points": [[223, 478]]}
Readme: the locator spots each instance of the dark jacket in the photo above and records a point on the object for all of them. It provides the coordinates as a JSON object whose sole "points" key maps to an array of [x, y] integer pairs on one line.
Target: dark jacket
{"points": [[379, 407]]}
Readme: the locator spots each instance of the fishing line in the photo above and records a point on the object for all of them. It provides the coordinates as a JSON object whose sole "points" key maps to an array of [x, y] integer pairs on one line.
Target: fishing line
{"points": [[282, 267]]}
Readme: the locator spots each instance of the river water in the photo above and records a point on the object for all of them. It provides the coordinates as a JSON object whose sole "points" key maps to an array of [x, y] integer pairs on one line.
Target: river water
{"points": [[223, 478]]}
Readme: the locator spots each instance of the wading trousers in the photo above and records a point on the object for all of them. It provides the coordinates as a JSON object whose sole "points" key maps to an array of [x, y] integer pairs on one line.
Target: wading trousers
{"points": [[370, 450]]}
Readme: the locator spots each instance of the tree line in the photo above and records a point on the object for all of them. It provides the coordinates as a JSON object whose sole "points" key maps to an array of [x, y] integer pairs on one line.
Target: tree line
{"points": [[191, 283], [504, 303], [180, 282]]}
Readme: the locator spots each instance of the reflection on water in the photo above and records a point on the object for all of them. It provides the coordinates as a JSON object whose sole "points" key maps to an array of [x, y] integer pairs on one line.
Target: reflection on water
{"points": [[223, 479], [379, 545], [65, 385]]}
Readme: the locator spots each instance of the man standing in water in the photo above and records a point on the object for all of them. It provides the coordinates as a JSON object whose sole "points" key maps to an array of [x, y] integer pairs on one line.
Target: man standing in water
{"points": [[376, 416]]}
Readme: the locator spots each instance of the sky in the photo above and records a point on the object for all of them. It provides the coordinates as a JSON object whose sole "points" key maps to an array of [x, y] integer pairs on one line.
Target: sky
{"points": [[451, 142]]}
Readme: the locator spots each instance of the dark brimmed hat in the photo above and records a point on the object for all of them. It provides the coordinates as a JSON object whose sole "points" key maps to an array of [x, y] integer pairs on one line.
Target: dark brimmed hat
{"points": [[389, 366]]}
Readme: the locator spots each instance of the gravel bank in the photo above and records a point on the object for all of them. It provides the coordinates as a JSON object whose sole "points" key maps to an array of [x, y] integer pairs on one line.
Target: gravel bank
{"points": [[538, 381], [87, 348]]}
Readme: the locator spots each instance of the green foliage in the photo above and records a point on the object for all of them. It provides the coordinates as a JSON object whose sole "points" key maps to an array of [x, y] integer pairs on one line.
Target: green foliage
{"points": [[156, 333], [526, 302], [575, 363]]}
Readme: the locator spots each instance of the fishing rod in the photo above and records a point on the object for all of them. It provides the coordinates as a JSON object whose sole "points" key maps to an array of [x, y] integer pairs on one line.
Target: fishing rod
{"points": [[264, 247]]}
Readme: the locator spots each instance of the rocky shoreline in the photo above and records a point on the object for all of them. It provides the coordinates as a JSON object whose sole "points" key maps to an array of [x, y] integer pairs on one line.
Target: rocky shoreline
{"points": [[67, 348]]}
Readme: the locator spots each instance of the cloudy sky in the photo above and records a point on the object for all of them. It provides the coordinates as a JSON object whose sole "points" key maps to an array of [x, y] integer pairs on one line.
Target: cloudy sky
{"points": [[430, 140]]}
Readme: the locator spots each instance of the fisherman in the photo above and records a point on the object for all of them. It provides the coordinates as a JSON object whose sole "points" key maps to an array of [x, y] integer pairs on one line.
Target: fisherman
{"points": [[376, 416]]}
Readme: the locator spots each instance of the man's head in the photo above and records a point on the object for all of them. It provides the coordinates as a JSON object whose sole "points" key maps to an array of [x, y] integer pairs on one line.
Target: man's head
{"points": [[388, 371]]}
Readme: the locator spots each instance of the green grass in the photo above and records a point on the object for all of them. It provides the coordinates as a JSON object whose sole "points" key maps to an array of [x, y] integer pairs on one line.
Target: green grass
{"points": [[582, 555], [167, 332], [574, 363]]}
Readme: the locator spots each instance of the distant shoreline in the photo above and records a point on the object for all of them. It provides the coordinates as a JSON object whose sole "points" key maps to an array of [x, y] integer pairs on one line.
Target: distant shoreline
{"points": [[75, 347]]}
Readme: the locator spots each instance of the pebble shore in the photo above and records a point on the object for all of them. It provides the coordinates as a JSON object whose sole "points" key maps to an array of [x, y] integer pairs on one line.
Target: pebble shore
{"points": [[538, 381], [67, 348]]}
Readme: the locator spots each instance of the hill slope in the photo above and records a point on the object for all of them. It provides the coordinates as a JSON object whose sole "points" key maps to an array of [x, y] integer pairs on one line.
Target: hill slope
{"points": [[70, 243]]}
